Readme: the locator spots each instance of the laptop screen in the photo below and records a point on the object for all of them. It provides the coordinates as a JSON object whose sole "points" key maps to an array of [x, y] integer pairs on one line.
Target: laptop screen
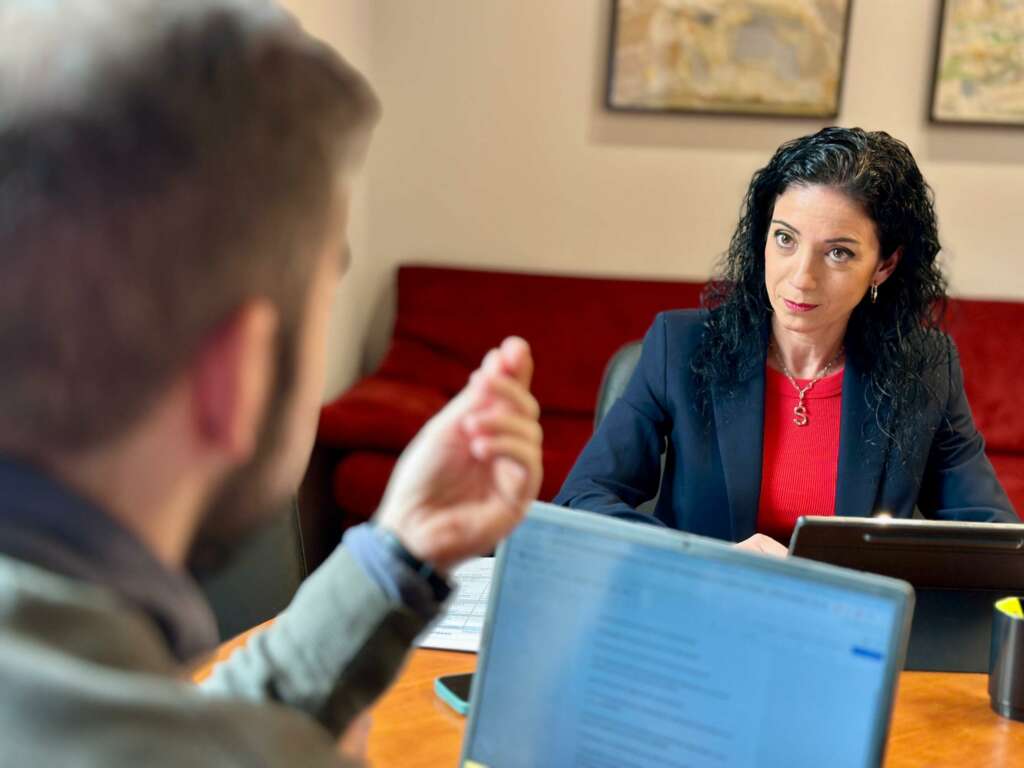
{"points": [[630, 649]]}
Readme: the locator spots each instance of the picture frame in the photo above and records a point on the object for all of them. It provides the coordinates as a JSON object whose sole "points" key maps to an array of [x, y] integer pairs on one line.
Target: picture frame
{"points": [[977, 76], [742, 57]]}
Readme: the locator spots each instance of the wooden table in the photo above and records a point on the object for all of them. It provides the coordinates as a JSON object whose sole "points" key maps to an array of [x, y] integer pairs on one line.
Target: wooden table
{"points": [[940, 719], [412, 728]]}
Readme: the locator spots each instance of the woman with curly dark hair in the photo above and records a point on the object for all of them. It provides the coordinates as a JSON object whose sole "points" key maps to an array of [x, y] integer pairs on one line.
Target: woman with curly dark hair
{"points": [[815, 381]]}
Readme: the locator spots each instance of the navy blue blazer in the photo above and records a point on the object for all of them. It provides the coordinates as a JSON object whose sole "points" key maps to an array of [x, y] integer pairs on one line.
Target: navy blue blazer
{"points": [[712, 477]]}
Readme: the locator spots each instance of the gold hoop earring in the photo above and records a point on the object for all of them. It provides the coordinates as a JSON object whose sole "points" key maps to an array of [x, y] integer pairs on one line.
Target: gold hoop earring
{"points": [[874, 293]]}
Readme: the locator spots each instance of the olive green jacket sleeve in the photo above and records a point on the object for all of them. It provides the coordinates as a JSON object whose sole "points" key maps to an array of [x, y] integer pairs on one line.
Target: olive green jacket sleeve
{"points": [[89, 682], [330, 654]]}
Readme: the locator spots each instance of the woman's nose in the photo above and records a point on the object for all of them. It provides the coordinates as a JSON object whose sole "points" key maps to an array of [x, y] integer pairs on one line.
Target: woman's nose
{"points": [[804, 275]]}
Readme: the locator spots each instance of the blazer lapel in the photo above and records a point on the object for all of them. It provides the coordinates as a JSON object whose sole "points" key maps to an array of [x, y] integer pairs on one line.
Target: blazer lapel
{"points": [[862, 449], [739, 423]]}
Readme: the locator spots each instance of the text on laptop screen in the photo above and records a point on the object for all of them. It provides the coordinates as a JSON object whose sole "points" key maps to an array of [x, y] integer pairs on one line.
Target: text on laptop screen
{"points": [[611, 653]]}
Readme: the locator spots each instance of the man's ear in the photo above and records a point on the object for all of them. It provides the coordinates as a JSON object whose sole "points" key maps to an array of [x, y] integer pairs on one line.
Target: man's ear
{"points": [[231, 380], [886, 267]]}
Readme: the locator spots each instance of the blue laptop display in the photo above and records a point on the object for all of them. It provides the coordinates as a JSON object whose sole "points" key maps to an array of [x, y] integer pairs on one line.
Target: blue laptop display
{"points": [[612, 645]]}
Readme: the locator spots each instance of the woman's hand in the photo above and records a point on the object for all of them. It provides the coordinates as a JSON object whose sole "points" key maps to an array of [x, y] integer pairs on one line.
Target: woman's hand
{"points": [[469, 476], [766, 545]]}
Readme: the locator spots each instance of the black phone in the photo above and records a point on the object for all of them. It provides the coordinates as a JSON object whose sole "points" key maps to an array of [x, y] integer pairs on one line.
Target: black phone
{"points": [[454, 690]]}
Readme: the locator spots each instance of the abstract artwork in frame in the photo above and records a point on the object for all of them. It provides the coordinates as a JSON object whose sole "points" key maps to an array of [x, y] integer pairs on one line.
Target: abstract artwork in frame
{"points": [[752, 57], [979, 63]]}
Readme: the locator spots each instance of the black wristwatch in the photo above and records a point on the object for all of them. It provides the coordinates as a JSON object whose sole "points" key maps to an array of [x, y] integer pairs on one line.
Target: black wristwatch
{"points": [[438, 584]]}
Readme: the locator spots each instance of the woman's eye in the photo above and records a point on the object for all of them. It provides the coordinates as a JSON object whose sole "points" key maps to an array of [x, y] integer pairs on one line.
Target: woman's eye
{"points": [[840, 255], [783, 239]]}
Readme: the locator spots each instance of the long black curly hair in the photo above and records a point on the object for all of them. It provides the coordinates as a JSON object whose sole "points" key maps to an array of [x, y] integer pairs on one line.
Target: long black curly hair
{"points": [[894, 340]]}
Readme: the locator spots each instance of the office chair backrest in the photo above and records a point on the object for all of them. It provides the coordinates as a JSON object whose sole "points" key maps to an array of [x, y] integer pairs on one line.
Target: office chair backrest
{"points": [[262, 578], [616, 376]]}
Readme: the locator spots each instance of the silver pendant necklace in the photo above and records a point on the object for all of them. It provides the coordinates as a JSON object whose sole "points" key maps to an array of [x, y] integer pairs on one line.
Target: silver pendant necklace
{"points": [[800, 410]]}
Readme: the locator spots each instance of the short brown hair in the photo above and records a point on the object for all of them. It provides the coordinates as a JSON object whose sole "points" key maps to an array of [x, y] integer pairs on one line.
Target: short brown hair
{"points": [[149, 187]]}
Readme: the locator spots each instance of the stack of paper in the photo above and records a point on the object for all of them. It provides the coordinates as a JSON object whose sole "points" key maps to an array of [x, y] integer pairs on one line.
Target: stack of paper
{"points": [[460, 627]]}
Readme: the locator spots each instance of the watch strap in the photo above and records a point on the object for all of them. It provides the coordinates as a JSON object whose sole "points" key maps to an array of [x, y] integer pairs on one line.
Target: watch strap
{"points": [[439, 586]]}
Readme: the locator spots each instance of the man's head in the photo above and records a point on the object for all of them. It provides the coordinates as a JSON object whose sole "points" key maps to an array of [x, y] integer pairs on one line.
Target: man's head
{"points": [[172, 204]]}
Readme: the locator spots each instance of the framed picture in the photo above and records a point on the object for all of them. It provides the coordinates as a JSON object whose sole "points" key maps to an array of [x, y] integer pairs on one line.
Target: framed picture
{"points": [[979, 66], [749, 57]]}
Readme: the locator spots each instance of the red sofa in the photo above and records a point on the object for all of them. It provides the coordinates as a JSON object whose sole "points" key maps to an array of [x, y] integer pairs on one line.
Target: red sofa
{"points": [[448, 318], [992, 356]]}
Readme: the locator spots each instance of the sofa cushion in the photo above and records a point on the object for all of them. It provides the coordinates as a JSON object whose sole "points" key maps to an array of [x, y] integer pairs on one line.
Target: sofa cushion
{"points": [[378, 414], [993, 364], [448, 318], [358, 483], [358, 480]]}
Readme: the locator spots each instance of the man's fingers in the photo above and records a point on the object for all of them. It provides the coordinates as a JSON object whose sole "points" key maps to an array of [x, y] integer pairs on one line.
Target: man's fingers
{"points": [[499, 421], [516, 484], [506, 389], [525, 452], [472, 396], [517, 360], [492, 362], [486, 390]]}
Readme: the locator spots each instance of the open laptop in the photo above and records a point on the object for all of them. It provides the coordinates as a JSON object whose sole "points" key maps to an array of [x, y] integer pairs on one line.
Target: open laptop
{"points": [[610, 644], [958, 570]]}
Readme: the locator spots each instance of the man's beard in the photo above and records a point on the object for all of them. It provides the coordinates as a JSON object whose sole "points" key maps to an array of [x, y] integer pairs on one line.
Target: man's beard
{"points": [[245, 504]]}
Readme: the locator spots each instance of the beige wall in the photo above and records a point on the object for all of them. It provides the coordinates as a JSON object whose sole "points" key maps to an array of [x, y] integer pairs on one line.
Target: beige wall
{"points": [[494, 150], [346, 24]]}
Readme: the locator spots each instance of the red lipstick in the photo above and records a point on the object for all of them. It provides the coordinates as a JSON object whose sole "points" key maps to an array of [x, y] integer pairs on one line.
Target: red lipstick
{"points": [[795, 306]]}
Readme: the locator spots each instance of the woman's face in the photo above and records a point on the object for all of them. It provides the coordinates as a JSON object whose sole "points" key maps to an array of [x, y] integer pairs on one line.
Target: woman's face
{"points": [[820, 258]]}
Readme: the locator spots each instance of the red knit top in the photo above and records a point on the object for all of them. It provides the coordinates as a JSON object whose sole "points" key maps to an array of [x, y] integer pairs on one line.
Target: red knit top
{"points": [[800, 464]]}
